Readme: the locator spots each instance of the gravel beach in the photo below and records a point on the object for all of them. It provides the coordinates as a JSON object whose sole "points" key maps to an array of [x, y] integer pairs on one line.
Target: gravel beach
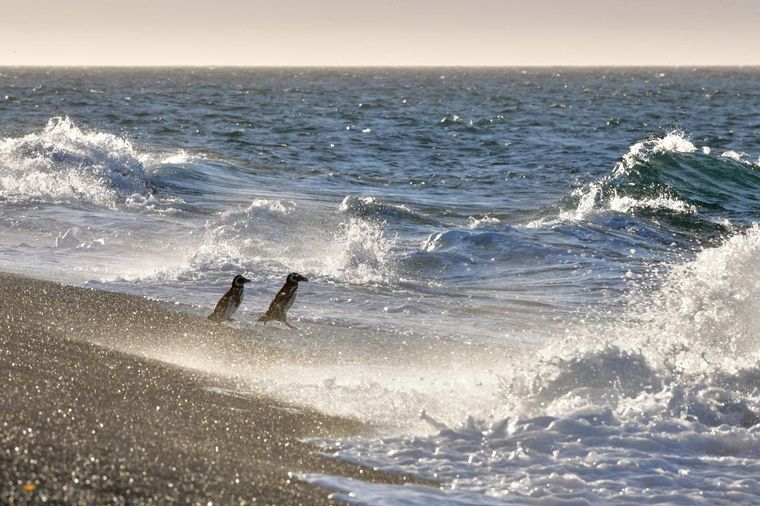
{"points": [[88, 418]]}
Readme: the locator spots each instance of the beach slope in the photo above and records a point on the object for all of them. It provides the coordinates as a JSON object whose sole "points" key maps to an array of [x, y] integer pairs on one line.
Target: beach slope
{"points": [[87, 417]]}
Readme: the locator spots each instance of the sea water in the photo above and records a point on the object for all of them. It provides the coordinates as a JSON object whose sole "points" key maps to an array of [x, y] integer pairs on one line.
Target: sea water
{"points": [[539, 286]]}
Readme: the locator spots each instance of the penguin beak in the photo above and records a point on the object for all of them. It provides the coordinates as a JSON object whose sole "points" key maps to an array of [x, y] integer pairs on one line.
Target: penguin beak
{"points": [[246, 280], [303, 279]]}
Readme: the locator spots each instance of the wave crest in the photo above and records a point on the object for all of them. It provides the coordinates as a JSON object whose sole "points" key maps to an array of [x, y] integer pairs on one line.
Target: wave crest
{"points": [[675, 379], [713, 303], [65, 164], [374, 209], [668, 179], [275, 236]]}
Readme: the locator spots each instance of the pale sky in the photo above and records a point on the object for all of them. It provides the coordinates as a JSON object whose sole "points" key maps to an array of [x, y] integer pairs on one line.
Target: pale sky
{"points": [[379, 32]]}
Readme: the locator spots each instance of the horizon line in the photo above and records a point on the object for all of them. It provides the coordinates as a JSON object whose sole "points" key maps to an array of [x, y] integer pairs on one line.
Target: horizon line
{"points": [[384, 66]]}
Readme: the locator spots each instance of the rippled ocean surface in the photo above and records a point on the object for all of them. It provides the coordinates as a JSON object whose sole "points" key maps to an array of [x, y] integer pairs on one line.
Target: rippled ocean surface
{"points": [[541, 285]]}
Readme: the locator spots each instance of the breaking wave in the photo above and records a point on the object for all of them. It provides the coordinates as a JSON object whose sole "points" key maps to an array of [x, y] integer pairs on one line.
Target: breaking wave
{"points": [[271, 237], [374, 209], [619, 407], [667, 179], [64, 163], [67, 164]]}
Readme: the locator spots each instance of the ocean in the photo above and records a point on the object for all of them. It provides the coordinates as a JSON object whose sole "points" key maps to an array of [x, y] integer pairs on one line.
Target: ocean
{"points": [[538, 286]]}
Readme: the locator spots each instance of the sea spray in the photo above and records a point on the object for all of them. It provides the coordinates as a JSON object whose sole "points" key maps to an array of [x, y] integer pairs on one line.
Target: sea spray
{"points": [[648, 404], [64, 163], [597, 356]]}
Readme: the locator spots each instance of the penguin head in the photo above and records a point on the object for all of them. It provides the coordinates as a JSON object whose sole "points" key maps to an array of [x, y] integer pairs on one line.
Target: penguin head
{"points": [[240, 280], [294, 277]]}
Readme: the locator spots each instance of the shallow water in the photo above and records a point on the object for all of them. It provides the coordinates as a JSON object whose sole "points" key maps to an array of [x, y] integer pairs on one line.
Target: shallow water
{"points": [[558, 266]]}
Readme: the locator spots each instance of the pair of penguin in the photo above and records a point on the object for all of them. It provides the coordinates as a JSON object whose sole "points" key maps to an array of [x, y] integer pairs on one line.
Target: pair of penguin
{"points": [[277, 311]]}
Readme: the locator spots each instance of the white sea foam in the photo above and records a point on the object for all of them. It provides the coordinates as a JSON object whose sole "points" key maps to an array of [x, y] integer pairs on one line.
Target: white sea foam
{"points": [[66, 163], [278, 236], [279, 206], [737, 156], [359, 252], [625, 204], [262, 207], [663, 404], [482, 222], [715, 301], [733, 155], [587, 203], [672, 142], [595, 198], [353, 491], [63, 163], [277, 233], [177, 157]]}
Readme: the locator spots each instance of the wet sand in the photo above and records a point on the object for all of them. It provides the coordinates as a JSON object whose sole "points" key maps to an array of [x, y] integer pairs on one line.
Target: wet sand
{"points": [[86, 417]]}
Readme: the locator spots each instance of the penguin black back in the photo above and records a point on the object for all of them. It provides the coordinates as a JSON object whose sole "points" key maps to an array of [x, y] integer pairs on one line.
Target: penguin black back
{"points": [[278, 309], [230, 301]]}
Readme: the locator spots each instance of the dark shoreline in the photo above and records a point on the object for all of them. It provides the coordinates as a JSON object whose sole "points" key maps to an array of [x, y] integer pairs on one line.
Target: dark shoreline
{"points": [[86, 421]]}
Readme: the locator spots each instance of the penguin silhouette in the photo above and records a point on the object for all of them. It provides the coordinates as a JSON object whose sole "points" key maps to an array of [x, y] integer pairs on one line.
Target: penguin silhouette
{"points": [[278, 309]]}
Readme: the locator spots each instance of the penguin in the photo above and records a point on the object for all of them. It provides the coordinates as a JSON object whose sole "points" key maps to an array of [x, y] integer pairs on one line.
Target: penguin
{"points": [[283, 300], [230, 301]]}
